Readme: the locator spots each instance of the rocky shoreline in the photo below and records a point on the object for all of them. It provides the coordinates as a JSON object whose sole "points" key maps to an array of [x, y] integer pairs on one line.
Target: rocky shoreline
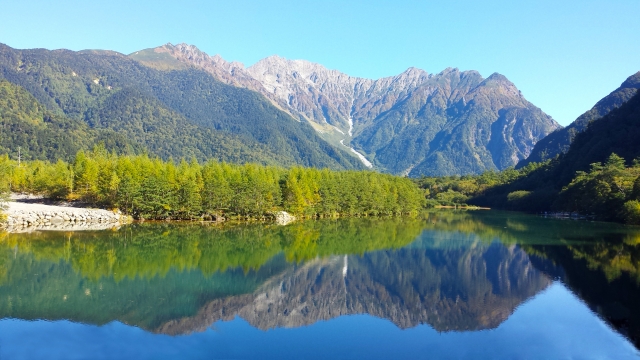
{"points": [[27, 217], [22, 217]]}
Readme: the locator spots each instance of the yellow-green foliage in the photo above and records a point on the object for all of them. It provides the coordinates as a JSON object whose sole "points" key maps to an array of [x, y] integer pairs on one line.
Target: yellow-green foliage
{"points": [[147, 251], [632, 212], [5, 185], [154, 189]]}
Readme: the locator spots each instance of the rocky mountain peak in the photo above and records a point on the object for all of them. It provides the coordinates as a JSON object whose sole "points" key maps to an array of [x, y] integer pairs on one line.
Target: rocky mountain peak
{"points": [[499, 86], [449, 70], [497, 78], [196, 56], [415, 72]]}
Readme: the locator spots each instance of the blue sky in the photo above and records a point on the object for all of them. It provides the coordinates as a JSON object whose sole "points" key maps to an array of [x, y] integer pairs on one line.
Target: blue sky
{"points": [[563, 55]]}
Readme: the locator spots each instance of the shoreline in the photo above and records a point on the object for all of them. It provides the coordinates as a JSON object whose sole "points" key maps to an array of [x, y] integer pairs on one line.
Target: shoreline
{"points": [[27, 217], [461, 207], [28, 213]]}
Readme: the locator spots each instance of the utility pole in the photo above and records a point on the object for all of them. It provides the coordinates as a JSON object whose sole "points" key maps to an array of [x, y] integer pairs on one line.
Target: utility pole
{"points": [[19, 156]]}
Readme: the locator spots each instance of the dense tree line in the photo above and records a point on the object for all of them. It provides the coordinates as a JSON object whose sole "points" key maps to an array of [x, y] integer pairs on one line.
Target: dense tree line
{"points": [[150, 188], [609, 191], [459, 190]]}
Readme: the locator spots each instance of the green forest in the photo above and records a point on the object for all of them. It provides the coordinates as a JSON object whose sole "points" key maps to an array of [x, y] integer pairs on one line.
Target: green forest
{"points": [[607, 191], [150, 188]]}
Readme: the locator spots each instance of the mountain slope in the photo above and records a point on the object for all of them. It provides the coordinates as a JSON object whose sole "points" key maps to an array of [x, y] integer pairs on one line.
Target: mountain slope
{"points": [[558, 141], [127, 122], [414, 123], [41, 135], [165, 133], [457, 123], [210, 118], [617, 132]]}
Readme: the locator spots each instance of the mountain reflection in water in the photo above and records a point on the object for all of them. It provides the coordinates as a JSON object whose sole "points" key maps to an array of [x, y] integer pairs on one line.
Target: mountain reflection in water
{"points": [[452, 271], [468, 288]]}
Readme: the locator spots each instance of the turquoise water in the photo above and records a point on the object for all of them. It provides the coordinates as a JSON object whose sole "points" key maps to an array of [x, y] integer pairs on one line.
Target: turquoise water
{"points": [[445, 285]]}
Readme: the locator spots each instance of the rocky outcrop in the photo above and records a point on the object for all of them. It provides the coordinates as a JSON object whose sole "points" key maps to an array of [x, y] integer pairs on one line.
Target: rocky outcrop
{"points": [[23, 217], [284, 218]]}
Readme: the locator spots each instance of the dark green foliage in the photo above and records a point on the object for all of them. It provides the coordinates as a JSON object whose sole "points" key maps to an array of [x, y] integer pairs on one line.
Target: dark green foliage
{"points": [[180, 113]]}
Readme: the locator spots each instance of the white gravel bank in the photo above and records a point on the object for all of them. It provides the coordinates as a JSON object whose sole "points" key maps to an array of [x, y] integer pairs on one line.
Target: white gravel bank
{"points": [[27, 217]]}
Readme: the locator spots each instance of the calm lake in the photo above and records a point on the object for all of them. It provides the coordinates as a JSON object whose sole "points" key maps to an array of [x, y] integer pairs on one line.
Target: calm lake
{"points": [[443, 285]]}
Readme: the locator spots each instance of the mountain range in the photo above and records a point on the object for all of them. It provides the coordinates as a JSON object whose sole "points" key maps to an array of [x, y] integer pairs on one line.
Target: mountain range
{"points": [[177, 101], [414, 123]]}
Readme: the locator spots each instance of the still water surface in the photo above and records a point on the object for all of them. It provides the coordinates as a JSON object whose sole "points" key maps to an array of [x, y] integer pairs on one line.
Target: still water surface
{"points": [[450, 285]]}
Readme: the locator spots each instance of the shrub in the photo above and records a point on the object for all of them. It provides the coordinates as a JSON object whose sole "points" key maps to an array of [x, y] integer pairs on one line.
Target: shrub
{"points": [[631, 212]]}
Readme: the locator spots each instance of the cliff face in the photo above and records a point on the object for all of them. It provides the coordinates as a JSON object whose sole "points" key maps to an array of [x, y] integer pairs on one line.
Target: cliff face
{"points": [[462, 290], [413, 123]]}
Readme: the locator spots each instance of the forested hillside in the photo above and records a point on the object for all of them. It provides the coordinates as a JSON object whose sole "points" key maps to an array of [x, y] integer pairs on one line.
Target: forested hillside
{"points": [[179, 113], [43, 135], [558, 142]]}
